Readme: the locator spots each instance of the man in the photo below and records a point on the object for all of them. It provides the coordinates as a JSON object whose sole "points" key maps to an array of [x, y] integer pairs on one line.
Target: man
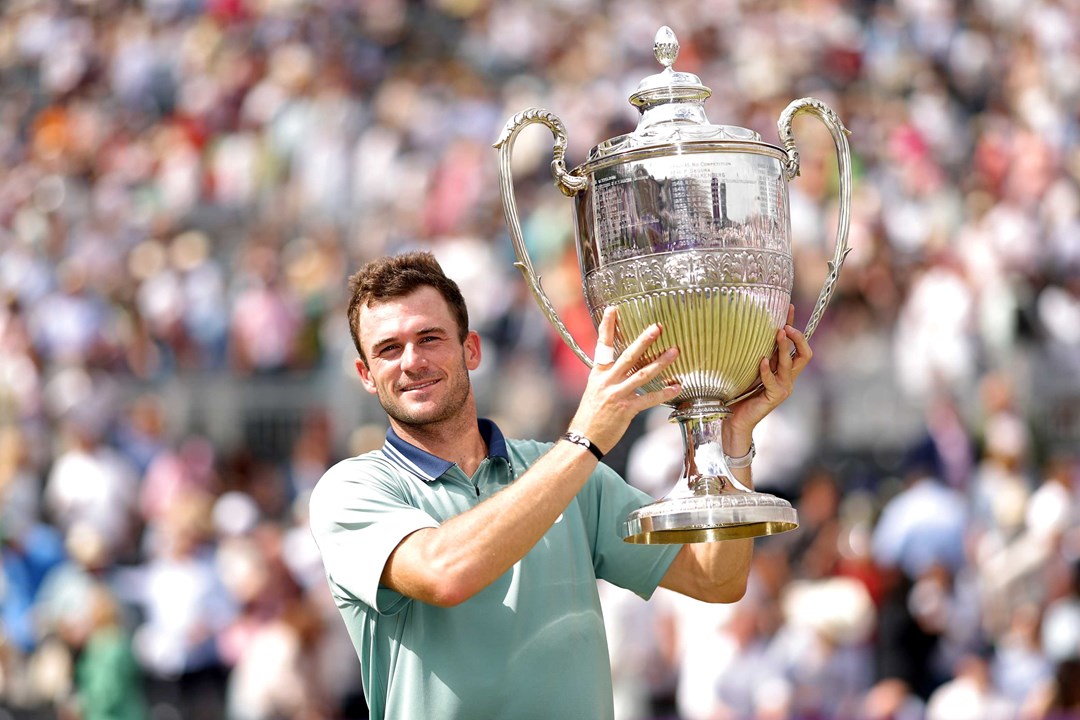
{"points": [[463, 563]]}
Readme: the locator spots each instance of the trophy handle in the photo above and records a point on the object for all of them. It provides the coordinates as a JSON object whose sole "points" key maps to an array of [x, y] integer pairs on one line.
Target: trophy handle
{"points": [[791, 168], [568, 183], [843, 159]]}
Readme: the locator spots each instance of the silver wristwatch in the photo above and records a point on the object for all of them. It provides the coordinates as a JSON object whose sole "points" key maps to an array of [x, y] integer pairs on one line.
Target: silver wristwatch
{"points": [[743, 460]]}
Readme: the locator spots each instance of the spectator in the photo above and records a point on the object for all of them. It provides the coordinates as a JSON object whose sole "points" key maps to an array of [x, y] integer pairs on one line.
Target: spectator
{"points": [[90, 483], [108, 681]]}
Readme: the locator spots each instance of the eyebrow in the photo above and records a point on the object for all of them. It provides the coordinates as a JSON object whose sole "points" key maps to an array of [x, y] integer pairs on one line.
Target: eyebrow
{"points": [[431, 330]]}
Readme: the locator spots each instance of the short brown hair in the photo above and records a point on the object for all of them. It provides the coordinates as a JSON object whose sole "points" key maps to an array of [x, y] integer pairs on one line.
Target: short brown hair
{"points": [[388, 278]]}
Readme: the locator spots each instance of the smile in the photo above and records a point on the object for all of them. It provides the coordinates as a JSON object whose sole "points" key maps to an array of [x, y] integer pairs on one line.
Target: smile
{"points": [[419, 386]]}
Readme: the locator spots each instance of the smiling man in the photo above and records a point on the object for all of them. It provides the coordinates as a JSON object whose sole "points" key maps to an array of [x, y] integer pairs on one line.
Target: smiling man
{"points": [[465, 563]]}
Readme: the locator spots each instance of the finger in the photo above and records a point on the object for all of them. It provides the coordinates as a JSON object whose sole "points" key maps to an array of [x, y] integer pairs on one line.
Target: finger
{"points": [[636, 350], [774, 359], [803, 353], [795, 353], [604, 354], [774, 363], [649, 372], [606, 329], [769, 382], [778, 350], [784, 347], [605, 342], [657, 397]]}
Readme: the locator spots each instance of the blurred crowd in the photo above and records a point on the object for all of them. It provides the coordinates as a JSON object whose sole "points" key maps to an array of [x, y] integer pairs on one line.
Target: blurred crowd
{"points": [[186, 184]]}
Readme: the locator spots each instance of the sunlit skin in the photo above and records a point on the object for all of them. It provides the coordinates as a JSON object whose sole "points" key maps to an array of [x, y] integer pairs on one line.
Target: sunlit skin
{"points": [[418, 367]]}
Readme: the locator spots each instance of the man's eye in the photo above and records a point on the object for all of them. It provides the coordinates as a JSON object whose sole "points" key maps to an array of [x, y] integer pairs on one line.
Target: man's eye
{"points": [[389, 350]]}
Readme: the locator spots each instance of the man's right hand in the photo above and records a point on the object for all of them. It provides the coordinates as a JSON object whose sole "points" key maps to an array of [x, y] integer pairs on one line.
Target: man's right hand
{"points": [[611, 398]]}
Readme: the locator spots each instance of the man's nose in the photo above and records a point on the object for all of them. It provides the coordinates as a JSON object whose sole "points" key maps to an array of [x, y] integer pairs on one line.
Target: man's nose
{"points": [[412, 357]]}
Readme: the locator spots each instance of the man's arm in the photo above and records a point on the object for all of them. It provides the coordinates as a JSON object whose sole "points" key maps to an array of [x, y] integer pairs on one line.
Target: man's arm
{"points": [[718, 571], [449, 564]]}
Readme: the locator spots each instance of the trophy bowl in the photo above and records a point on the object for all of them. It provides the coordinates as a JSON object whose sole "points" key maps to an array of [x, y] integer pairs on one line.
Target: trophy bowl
{"points": [[687, 224]]}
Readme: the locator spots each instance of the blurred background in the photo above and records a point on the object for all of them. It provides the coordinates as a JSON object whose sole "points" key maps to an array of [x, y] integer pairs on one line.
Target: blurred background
{"points": [[185, 186]]}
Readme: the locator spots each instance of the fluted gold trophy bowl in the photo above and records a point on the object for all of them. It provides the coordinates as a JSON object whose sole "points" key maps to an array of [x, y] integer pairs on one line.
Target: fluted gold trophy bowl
{"points": [[687, 224]]}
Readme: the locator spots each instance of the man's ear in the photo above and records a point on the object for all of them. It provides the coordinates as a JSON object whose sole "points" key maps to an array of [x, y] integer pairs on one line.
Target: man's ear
{"points": [[365, 376], [472, 350]]}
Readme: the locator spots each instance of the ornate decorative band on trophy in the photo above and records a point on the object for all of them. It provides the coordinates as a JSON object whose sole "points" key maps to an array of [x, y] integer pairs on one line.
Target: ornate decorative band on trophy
{"points": [[687, 224]]}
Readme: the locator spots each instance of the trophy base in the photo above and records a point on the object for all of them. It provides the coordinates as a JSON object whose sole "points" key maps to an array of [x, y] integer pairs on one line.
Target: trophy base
{"points": [[727, 516], [708, 503]]}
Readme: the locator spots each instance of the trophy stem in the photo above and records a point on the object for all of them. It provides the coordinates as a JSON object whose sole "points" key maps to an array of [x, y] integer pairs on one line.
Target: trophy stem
{"points": [[707, 503]]}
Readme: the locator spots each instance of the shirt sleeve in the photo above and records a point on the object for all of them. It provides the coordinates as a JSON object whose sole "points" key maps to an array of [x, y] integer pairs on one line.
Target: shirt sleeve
{"points": [[359, 512], [605, 501]]}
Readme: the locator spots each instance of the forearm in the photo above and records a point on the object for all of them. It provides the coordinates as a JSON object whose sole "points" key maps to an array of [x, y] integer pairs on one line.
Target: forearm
{"points": [[449, 564], [717, 571], [713, 571], [725, 569]]}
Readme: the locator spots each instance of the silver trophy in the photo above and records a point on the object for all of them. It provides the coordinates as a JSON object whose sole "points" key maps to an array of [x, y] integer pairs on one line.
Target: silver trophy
{"points": [[686, 223]]}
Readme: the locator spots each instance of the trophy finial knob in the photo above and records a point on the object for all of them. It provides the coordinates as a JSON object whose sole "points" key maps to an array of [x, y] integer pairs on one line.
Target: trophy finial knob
{"points": [[666, 46], [668, 87]]}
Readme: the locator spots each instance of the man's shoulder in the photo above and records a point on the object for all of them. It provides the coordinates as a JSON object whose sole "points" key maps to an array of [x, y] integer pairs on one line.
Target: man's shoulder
{"points": [[367, 468], [374, 461]]}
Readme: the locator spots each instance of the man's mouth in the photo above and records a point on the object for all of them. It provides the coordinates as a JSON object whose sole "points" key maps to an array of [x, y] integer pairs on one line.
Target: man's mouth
{"points": [[423, 385]]}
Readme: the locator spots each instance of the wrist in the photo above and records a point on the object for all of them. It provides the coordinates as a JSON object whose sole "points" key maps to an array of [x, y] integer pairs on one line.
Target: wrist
{"points": [[579, 439], [736, 442], [736, 462]]}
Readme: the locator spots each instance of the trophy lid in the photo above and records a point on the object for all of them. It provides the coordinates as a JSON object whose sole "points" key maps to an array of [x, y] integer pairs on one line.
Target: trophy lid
{"points": [[672, 106], [668, 86]]}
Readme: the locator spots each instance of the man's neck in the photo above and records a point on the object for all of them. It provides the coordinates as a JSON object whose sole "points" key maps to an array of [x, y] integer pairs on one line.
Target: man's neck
{"points": [[457, 440]]}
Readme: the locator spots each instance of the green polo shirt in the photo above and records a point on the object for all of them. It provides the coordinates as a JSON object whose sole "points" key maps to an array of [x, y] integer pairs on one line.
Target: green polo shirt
{"points": [[532, 644]]}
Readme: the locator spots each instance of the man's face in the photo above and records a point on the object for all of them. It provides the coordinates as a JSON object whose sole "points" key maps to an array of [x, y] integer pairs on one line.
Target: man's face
{"points": [[417, 366]]}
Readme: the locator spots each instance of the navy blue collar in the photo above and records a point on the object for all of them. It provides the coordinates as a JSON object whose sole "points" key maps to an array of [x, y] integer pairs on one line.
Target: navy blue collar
{"points": [[430, 467]]}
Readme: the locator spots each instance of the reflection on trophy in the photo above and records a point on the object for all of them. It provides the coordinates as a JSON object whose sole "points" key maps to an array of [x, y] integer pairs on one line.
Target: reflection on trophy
{"points": [[686, 223]]}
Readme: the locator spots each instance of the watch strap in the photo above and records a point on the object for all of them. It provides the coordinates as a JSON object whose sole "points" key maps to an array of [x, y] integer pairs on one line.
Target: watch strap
{"points": [[743, 460], [579, 439]]}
